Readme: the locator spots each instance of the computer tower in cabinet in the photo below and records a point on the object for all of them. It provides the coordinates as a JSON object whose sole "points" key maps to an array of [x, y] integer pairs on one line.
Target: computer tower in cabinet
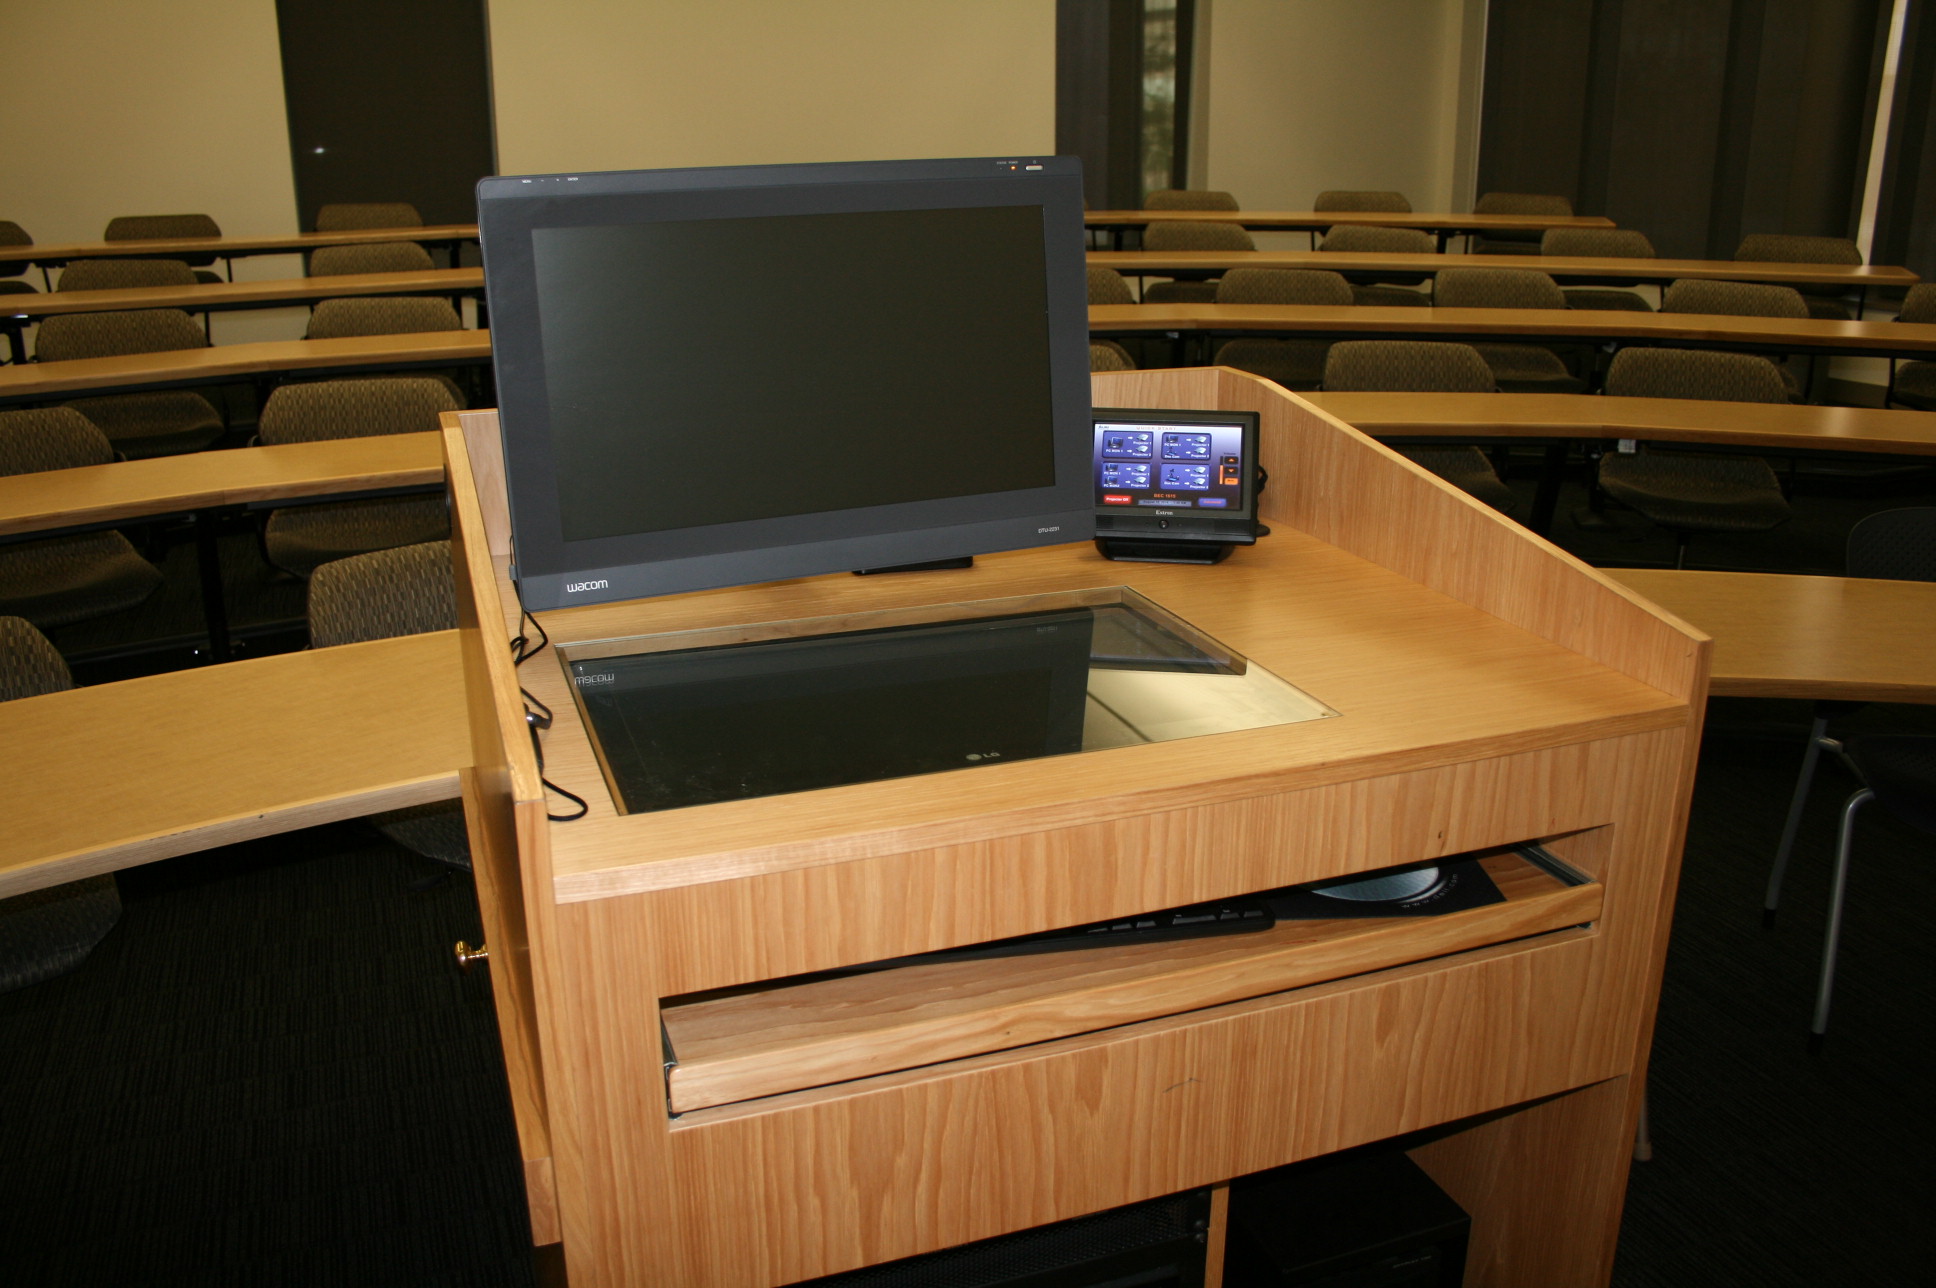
{"points": [[1366, 1220]]}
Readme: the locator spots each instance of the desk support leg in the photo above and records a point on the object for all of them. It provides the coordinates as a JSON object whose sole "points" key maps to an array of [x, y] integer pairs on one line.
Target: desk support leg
{"points": [[1547, 498], [208, 557]]}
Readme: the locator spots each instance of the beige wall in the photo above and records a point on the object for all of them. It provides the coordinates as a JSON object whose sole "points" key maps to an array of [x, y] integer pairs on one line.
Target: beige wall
{"points": [[1306, 95], [130, 107], [627, 84]]}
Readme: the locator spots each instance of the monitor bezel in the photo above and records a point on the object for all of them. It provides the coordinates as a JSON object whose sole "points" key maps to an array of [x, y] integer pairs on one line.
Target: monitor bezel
{"points": [[1235, 527], [553, 572]]}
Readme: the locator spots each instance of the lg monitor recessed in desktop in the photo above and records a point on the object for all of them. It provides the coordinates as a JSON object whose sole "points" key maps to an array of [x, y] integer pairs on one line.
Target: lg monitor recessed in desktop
{"points": [[722, 376]]}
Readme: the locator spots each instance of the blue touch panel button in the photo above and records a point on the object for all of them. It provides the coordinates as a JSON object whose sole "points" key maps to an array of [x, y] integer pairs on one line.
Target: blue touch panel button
{"points": [[1186, 447], [1129, 444], [1190, 478]]}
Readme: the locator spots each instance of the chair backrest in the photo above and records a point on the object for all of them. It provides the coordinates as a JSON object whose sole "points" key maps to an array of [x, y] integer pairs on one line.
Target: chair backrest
{"points": [[343, 216], [380, 315], [1789, 248], [1919, 304], [1283, 286], [1497, 288], [1601, 243], [1107, 286], [50, 438], [29, 664], [1107, 355], [376, 257], [1406, 366], [12, 234], [1176, 234], [1522, 203], [1694, 373], [119, 274], [159, 227], [1379, 241], [327, 409], [108, 335], [1896, 544], [406, 590], [1733, 299], [1189, 199], [1347, 199]]}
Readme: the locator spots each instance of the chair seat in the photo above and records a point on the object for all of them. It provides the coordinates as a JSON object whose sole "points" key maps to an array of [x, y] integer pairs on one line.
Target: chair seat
{"points": [[1528, 368], [1467, 469], [49, 932], [164, 423], [1604, 297], [61, 580], [300, 539], [8, 287], [1828, 310], [1697, 493], [1178, 292], [1294, 364]]}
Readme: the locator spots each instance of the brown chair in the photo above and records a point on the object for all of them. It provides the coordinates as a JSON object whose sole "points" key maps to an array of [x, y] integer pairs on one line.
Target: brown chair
{"points": [[1107, 286], [1382, 290], [1362, 199], [124, 274], [12, 234], [371, 257], [347, 216], [381, 315], [1518, 368], [47, 932], [1422, 366], [167, 228], [1688, 492], [162, 423], [1189, 199], [1601, 243], [1294, 364], [1740, 299], [1913, 384], [1107, 355], [1789, 248], [381, 595], [56, 581], [1178, 234], [1507, 241], [300, 539]]}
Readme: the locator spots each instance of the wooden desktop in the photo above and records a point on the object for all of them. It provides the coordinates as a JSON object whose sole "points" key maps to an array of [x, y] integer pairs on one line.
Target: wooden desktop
{"points": [[1491, 691]]}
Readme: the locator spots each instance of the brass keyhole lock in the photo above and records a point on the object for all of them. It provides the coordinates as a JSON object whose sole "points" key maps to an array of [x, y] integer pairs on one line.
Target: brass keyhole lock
{"points": [[466, 954]]}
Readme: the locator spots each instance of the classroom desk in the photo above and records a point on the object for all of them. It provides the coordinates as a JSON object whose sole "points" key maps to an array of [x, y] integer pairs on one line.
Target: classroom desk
{"points": [[1572, 268], [127, 773], [1444, 225], [1819, 638], [1350, 321], [1783, 427], [216, 297], [51, 254], [1776, 426], [121, 491], [202, 484], [36, 381]]}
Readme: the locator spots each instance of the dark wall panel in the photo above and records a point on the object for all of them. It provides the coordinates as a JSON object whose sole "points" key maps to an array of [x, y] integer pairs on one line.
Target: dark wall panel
{"points": [[1695, 121], [389, 100], [1906, 211]]}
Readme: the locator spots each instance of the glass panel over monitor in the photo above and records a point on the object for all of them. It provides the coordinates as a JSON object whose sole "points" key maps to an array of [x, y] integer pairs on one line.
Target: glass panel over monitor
{"points": [[713, 377], [701, 717]]}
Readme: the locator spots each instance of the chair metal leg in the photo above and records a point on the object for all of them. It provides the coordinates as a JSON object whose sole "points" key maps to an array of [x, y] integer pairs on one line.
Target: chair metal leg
{"points": [[1817, 738], [1833, 940]]}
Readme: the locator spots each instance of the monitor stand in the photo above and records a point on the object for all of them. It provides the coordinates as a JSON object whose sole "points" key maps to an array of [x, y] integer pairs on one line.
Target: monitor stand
{"points": [[1155, 550]]}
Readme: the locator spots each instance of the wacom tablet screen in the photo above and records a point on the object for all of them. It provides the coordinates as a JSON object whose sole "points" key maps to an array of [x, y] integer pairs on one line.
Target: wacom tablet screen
{"points": [[713, 371]]}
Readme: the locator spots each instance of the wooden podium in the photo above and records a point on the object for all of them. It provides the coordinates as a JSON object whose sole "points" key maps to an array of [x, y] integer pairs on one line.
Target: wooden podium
{"points": [[1489, 690]]}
